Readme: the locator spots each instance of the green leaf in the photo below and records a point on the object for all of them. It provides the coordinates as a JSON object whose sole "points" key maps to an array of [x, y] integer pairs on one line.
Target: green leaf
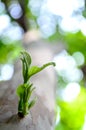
{"points": [[28, 91], [26, 62], [20, 90], [31, 104], [26, 57], [35, 69]]}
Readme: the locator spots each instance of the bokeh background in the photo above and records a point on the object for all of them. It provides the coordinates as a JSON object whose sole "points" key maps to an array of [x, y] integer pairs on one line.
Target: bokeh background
{"points": [[57, 21]]}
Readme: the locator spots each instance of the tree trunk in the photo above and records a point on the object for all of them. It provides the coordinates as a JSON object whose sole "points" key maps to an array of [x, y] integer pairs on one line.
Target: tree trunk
{"points": [[41, 116]]}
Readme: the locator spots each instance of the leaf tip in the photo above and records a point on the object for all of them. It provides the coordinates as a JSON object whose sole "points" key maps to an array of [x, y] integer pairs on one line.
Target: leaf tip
{"points": [[53, 63]]}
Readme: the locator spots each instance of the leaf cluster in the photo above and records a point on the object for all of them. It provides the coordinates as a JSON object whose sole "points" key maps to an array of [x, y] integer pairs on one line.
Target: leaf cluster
{"points": [[25, 90]]}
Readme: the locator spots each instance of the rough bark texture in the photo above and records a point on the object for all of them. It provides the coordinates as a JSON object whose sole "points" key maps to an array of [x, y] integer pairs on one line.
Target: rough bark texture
{"points": [[41, 116]]}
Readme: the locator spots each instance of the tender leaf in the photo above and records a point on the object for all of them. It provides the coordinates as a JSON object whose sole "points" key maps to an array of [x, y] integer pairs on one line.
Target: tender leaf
{"points": [[29, 93], [26, 57], [31, 104], [35, 69], [20, 90], [26, 62]]}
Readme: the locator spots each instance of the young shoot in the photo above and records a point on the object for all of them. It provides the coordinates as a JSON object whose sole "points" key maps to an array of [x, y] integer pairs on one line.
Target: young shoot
{"points": [[25, 90]]}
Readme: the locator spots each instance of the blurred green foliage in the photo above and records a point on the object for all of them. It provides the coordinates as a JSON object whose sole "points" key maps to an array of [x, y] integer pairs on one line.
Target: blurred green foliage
{"points": [[72, 114], [75, 42], [9, 52]]}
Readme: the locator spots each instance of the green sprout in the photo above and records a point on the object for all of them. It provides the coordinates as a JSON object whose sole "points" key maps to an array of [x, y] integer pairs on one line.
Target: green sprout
{"points": [[25, 90]]}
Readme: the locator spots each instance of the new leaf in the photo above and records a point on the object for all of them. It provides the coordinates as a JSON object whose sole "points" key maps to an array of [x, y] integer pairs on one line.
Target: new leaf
{"points": [[35, 69]]}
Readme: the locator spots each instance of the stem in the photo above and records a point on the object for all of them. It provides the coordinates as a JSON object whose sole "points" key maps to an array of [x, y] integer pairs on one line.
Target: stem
{"points": [[24, 111]]}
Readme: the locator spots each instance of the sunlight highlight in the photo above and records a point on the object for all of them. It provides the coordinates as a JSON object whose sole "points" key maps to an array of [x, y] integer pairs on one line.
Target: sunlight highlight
{"points": [[14, 32], [47, 25], [60, 7], [66, 67], [83, 26], [79, 57], [2, 7], [4, 22], [84, 126], [15, 10], [71, 92], [7, 71], [58, 115], [69, 24], [67, 14]]}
